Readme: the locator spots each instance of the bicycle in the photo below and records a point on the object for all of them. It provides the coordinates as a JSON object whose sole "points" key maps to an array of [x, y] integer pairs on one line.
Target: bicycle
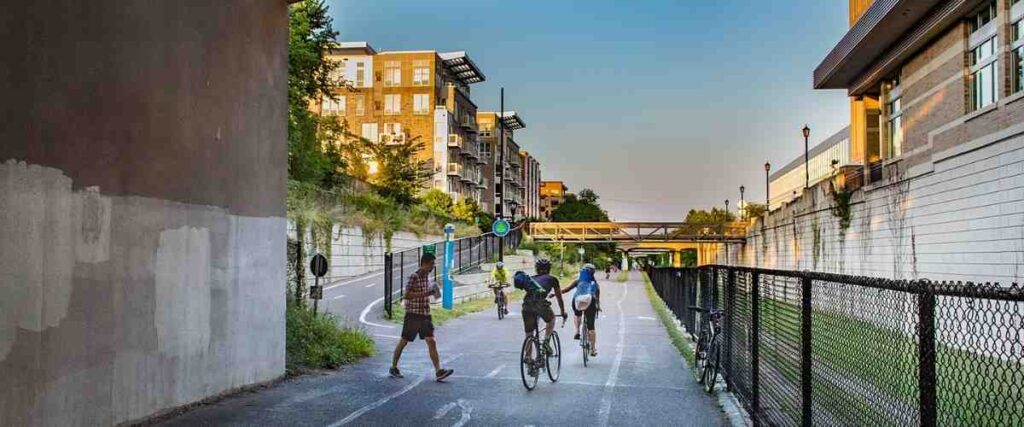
{"points": [[551, 362], [707, 352], [502, 300], [585, 340]]}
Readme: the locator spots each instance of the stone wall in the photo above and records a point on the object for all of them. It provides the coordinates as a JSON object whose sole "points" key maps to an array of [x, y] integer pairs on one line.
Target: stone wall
{"points": [[142, 187]]}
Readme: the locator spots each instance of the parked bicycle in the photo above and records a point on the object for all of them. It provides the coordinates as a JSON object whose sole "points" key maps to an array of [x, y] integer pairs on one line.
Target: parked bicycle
{"points": [[534, 358], [707, 354]]}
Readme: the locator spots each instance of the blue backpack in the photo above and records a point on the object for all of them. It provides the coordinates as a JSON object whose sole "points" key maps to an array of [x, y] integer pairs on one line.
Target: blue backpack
{"points": [[586, 284]]}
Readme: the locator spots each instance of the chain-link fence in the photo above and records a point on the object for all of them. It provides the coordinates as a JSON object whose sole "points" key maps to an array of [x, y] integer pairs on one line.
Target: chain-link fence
{"points": [[806, 348], [468, 253]]}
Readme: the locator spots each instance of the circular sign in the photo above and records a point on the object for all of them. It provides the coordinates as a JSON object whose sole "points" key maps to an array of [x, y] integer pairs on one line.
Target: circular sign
{"points": [[501, 227], [318, 265]]}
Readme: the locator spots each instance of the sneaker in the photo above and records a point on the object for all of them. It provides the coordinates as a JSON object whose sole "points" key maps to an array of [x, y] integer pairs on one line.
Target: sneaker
{"points": [[443, 373], [395, 373], [576, 337], [593, 354], [547, 348]]}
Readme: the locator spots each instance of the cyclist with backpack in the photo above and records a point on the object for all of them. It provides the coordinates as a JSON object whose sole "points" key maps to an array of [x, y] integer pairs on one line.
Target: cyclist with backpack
{"points": [[499, 281], [535, 303], [586, 303]]}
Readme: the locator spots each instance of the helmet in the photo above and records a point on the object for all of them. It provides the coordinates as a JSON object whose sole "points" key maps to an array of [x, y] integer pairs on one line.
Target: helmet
{"points": [[543, 265], [500, 264], [590, 267]]}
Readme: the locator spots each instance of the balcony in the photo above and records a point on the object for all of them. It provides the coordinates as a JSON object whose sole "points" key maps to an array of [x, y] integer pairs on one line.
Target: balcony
{"points": [[455, 141], [468, 123], [482, 183], [469, 149], [454, 169], [470, 176]]}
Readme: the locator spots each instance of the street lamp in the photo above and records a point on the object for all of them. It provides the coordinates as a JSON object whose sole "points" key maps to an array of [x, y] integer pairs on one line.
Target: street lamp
{"points": [[767, 188], [743, 203], [807, 172], [581, 251], [513, 206], [726, 210]]}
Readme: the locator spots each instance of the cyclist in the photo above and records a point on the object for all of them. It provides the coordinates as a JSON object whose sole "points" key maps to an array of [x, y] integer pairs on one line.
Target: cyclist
{"points": [[586, 303], [499, 281], [536, 304]]}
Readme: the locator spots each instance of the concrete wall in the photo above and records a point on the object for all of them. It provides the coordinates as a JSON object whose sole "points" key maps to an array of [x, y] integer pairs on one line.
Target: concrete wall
{"points": [[142, 186]]}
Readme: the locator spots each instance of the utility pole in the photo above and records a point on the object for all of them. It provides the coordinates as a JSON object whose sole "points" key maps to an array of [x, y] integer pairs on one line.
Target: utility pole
{"points": [[500, 188]]}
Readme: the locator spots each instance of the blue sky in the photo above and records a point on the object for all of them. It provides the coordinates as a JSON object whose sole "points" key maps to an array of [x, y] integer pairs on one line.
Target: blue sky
{"points": [[659, 106]]}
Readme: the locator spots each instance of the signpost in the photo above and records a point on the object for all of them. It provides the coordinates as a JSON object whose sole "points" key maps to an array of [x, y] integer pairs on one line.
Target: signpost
{"points": [[318, 266], [501, 227], [448, 300]]}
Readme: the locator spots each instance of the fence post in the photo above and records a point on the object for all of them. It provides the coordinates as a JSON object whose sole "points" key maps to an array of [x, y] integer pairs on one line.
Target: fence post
{"points": [[926, 354], [755, 350], [805, 351], [388, 282], [730, 299]]}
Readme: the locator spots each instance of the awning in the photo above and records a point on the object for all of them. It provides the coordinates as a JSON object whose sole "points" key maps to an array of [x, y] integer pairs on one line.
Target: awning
{"points": [[462, 67]]}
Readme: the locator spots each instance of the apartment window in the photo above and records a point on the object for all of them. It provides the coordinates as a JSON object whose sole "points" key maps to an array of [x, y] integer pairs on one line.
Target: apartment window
{"points": [[360, 105], [392, 73], [393, 128], [360, 74], [1017, 56], [984, 74], [333, 106], [370, 131], [392, 104], [984, 16], [421, 103], [895, 112], [421, 73]]}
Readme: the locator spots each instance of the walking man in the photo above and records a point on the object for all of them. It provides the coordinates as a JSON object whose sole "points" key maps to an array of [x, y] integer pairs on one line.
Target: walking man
{"points": [[417, 317]]}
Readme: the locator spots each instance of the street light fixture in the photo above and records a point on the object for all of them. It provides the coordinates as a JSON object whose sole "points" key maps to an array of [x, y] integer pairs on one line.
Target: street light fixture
{"points": [[581, 251], [513, 206], [743, 203], [807, 172], [767, 188]]}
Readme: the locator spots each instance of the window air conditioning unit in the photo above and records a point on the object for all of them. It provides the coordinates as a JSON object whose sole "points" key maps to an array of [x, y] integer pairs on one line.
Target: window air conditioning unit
{"points": [[384, 138], [398, 138]]}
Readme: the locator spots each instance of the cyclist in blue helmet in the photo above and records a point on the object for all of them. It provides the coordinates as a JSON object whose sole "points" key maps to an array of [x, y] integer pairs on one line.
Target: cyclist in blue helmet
{"points": [[586, 302]]}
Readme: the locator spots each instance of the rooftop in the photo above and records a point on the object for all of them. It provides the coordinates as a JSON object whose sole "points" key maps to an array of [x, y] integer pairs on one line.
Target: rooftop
{"points": [[463, 67]]}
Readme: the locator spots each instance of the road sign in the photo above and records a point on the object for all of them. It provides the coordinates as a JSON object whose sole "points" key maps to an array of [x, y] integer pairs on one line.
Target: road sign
{"points": [[430, 249], [318, 265], [501, 227], [316, 292]]}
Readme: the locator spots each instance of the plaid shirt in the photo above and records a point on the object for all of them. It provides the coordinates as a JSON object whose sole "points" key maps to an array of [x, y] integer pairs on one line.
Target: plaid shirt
{"points": [[419, 284]]}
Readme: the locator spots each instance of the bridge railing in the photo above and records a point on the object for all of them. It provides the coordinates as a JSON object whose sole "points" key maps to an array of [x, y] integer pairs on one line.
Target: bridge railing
{"points": [[636, 232], [802, 348], [468, 253]]}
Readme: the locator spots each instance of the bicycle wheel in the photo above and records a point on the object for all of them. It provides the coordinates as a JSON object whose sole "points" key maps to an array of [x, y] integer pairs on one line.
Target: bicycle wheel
{"points": [[585, 343], [501, 306], [712, 365], [527, 368], [554, 359], [700, 358]]}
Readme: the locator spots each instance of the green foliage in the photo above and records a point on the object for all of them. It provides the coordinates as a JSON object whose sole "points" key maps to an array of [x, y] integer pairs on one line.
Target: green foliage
{"points": [[668, 320], [437, 201], [468, 306], [841, 208], [466, 210], [484, 221], [580, 208], [715, 216], [318, 341], [401, 174], [755, 210]]}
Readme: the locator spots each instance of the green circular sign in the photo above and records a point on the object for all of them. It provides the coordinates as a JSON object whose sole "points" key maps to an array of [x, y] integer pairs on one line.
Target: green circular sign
{"points": [[501, 227]]}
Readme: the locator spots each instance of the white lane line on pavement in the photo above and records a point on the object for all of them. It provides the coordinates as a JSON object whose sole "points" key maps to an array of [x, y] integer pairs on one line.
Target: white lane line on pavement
{"points": [[359, 412], [388, 336], [467, 412], [370, 285], [495, 372], [357, 279], [645, 318], [338, 297], [613, 377], [444, 410], [362, 316]]}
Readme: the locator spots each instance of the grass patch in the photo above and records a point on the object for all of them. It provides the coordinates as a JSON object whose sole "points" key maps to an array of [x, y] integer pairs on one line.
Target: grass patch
{"points": [[470, 306], [677, 337], [320, 341]]}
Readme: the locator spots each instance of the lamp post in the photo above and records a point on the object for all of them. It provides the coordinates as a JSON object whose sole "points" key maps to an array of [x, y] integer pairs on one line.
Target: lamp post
{"points": [[767, 188], [581, 251], [513, 206], [807, 172], [743, 203], [723, 232]]}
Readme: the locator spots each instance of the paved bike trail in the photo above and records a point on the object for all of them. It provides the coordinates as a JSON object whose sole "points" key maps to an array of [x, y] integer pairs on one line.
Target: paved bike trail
{"points": [[637, 379]]}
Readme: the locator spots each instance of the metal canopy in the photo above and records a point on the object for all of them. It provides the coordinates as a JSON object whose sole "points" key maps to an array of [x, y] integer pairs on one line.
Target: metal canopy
{"points": [[512, 121], [463, 67]]}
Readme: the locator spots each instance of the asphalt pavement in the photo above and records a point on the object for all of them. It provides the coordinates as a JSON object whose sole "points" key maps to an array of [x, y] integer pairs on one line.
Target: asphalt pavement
{"points": [[638, 377]]}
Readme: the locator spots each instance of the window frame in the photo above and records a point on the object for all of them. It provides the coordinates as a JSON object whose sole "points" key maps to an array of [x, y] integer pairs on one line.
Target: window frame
{"points": [[396, 106], [392, 73], [894, 118], [425, 97], [1016, 47], [981, 66], [360, 80]]}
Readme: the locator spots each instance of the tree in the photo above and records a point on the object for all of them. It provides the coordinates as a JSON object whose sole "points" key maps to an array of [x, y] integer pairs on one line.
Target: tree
{"points": [[715, 216], [401, 174], [755, 210], [437, 201], [580, 208], [466, 210]]}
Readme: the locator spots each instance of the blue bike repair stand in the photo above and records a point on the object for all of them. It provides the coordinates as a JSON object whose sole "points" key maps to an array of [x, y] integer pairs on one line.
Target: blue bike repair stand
{"points": [[447, 299]]}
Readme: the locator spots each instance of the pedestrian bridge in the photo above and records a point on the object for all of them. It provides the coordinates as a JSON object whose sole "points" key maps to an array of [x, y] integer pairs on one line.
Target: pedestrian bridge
{"points": [[645, 237]]}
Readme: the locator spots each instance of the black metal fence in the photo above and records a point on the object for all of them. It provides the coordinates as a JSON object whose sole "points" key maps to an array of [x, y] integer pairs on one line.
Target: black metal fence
{"points": [[806, 348], [468, 253]]}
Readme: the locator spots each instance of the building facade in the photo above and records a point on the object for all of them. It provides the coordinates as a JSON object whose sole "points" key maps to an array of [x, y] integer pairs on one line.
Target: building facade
{"points": [[490, 147], [825, 160], [552, 194], [530, 190], [395, 97]]}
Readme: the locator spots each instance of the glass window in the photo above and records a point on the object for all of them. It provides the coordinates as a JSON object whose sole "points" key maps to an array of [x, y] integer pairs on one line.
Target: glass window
{"points": [[984, 16], [984, 75], [420, 103], [421, 73], [392, 104], [333, 106], [1017, 57], [392, 73], [360, 105], [370, 131], [392, 128], [360, 74]]}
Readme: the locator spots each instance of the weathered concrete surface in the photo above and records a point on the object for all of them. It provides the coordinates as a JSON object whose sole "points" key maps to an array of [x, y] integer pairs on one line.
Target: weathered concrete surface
{"points": [[142, 184]]}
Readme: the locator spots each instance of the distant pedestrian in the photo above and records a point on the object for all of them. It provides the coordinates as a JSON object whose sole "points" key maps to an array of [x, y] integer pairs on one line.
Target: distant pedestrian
{"points": [[417, 321]]}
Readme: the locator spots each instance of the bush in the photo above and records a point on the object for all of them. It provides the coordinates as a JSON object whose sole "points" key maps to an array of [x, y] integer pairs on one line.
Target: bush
{"points": [[319, 341]]}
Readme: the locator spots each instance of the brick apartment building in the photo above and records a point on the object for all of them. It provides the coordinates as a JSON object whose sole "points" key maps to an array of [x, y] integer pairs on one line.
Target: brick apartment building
{"points": [[490, 146], [552, 194]]}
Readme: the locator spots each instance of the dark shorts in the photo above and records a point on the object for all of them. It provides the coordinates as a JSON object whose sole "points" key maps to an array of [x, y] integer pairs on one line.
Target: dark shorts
{"points": [[589, 315], [417, 325], [533, 310]]}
